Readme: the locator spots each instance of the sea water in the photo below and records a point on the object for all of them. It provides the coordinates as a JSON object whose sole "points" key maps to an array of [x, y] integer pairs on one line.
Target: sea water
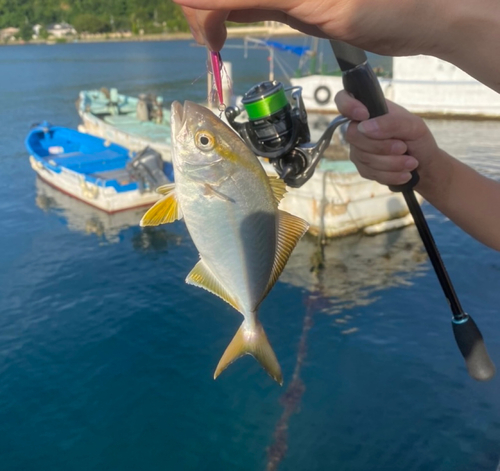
{"points": [[107, 356]]}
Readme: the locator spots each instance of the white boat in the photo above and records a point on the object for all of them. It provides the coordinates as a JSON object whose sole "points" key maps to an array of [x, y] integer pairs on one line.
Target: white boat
{"points": [[131, 122], [336, 201], [424, 85]]}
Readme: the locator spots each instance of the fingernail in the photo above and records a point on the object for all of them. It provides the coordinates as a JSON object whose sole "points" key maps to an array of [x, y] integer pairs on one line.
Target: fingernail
{"points": [[398, 148], [368, 126], [411, 163], [405, 177], [360, 114]]}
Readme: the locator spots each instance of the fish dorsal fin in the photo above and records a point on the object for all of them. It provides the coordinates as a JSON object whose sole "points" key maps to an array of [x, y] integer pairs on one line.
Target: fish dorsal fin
{"points": [[202, 277], [290, 230], [279, 188], [164, 211]]}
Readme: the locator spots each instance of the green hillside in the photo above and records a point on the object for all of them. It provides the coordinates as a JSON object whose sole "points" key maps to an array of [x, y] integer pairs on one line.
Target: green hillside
{"points": [[95, 16]]}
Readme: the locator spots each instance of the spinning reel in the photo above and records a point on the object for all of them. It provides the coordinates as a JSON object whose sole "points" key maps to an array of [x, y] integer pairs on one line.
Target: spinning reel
{"points": [[277, 129]]}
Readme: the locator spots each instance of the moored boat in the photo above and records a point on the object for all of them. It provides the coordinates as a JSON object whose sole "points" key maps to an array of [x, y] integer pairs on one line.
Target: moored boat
{"points": [[96, 171], [336, 201], [125, 120]]}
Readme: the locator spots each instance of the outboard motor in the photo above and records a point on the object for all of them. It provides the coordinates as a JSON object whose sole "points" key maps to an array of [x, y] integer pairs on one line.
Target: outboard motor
{"points": [[147, 169]]}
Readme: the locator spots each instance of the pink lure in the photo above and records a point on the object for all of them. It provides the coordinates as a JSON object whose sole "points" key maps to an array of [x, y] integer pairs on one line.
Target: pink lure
{"points": [[217, 71]]}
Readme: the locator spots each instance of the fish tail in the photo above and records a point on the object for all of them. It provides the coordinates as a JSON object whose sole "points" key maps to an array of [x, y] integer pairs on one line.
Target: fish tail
{"points": [[251, 339]]}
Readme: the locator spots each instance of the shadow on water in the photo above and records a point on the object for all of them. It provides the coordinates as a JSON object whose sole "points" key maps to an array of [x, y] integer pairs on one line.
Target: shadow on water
{"points": [[338, 276], [85, 219]]}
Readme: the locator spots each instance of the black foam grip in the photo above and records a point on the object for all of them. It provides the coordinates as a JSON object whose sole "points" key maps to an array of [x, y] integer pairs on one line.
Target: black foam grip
{"points": [[471, 345]]}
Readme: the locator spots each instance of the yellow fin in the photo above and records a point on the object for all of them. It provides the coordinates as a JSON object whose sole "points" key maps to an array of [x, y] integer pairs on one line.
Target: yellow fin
{"points": [[164, 211], [166, 189], [202, 277], [279, 188], [290, 230], [252, 341]]}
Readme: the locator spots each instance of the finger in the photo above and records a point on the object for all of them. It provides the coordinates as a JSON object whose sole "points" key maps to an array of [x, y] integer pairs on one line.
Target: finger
{"points": [[382, 147], [238, 4], [255, 16], [404, 125], [383, 177], [351, 108], [383, 163], [213, 28], [191, 17]]}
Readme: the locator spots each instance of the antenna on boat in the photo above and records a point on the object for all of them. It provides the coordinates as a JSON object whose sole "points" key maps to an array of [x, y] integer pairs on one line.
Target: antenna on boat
{"points": [[360, 80]]}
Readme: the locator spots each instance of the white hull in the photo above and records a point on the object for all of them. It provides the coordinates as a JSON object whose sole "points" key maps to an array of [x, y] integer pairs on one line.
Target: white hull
{"points": [[336, 204], [104, 198], [424, 85], [97, 127]]}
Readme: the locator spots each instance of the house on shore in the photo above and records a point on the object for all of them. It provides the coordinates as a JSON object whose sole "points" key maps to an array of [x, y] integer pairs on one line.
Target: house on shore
{"points": [[8, 34], [61, 30]]}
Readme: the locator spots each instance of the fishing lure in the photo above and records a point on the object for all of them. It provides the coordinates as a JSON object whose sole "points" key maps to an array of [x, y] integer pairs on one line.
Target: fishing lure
{"points": [[216, 66], [217, 70]]}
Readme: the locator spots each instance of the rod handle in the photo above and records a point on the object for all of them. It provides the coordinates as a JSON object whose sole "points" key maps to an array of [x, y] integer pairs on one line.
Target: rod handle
{"points": [[471, 344], [362, 83]]}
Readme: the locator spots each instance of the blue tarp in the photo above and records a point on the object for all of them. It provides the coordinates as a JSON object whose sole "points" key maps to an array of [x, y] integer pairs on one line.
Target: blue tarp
{"points": [[298, 50]]}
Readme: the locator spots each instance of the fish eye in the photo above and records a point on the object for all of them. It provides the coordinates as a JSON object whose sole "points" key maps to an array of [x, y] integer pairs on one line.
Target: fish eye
{"points": [[204, 141]]}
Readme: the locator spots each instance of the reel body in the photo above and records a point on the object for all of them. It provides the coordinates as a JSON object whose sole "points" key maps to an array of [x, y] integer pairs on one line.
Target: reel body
{"points": [[278, 130]]}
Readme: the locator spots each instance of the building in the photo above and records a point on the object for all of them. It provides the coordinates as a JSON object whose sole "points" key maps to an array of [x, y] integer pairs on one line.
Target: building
{"points": [[61, 30], [8, 34]]}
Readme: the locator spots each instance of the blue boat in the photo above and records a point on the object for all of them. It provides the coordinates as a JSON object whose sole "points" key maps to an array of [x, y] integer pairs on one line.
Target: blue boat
{"points": [[98, 172]]}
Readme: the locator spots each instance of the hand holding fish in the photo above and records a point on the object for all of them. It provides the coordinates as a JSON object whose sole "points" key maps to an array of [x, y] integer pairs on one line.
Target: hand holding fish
{"points": [[459, 31], [388, 147], [230, 207]]}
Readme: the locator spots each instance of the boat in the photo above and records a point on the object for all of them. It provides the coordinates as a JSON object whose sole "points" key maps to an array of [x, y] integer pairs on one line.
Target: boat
{"points": [[336, 201], [125, 120], [96, 171], [425, 85]]}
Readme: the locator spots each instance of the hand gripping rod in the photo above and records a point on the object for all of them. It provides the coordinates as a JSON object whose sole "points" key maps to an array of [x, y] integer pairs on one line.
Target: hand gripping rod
{"points": [[360, 80]]}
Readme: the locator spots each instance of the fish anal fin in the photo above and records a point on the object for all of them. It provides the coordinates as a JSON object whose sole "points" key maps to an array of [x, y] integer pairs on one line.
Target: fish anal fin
{"points": [[252, 341], [278, 186], [202, 277], [290, 230], [164, 211]]}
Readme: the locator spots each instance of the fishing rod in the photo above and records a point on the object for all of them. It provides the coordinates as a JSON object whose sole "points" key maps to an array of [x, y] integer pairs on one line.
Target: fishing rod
{"points": [[277, 129], [360, 80]]}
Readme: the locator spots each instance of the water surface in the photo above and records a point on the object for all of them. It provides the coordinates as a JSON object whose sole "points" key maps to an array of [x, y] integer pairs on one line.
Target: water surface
{"points": [[107, 356]]}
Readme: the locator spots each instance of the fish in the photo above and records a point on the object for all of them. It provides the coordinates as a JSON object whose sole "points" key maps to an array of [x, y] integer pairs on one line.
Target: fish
{"points": [[230, 207]]}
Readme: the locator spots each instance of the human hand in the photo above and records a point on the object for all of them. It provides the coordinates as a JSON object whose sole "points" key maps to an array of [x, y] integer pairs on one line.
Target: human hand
{"points": [[387, 148], [391, 27]]}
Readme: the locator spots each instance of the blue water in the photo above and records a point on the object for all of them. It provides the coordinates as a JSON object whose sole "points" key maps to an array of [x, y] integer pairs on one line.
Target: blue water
{"points": [[107, 356]]}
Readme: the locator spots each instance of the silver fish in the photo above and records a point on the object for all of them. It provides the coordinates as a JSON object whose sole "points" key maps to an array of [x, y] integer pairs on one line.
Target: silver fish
{"points": [[230, 207]]}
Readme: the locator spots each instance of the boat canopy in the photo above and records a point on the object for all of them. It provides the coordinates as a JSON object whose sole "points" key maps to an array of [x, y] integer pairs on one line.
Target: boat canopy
{"points": [[297, 50]]}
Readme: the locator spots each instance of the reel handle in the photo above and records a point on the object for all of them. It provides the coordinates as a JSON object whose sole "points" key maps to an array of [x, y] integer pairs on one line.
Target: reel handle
{"points": [[360, 80]]}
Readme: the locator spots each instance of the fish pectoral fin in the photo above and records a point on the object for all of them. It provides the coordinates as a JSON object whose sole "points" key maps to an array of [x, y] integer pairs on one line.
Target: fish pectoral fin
{"points": [[290, 230], [278, 186], [202, 277], [252, 341], [164, 211], [211, 191]]}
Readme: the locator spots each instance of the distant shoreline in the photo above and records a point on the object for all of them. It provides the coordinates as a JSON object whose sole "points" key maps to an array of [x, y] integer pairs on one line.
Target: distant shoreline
{"points": [[232, 32]]}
